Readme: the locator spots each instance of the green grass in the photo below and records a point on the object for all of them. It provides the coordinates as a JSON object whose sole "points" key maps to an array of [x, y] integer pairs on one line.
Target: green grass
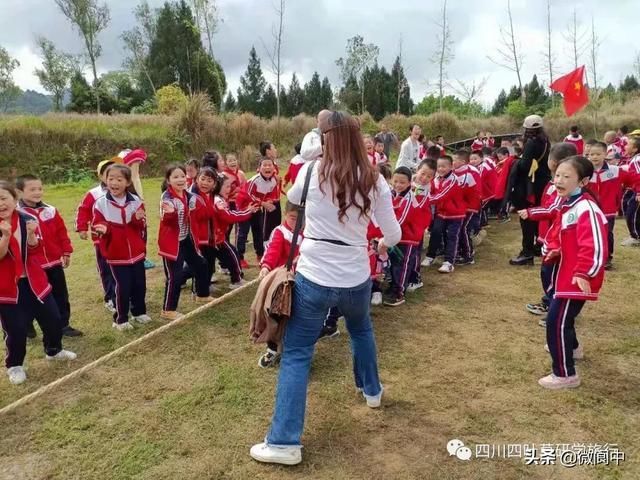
{"points": [[460, 360]]}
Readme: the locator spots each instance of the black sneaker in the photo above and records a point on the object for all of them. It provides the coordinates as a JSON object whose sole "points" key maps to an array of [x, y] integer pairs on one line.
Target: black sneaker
{"points": [[31, 331], [537, 308], [69, 331], [394, 301], [465, 261], [269, 359], [522, 259], [329, 332]]}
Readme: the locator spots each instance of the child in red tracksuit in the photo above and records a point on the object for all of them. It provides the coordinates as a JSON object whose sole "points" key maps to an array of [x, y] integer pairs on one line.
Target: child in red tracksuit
{"points": [[607, 184], [262, 190], [25, 293], [177, 242], [119, 220], [56, 246], [224, 219], [546, 215], [276, 255], [583, 252], [84, 215], [450, 209], [632, 206], [488, 179], [203, 216], [469, 180], [410, 212], [295, 165]]}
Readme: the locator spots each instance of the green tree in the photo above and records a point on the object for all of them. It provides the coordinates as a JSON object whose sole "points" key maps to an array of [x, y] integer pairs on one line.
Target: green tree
{"points": [[230, 104], [450, 103], [313, 95], [360, 55], [535, 96], [177, 55], [121, 88], [500, 103], [83, 98], [56, 71], [349, 95], [137, 43], [89, 19], [9, 91], [252, 86], [404, 104], [327, 94], [284, 101], [380, 92], [295, 97], [269, 103], [629, 84]]}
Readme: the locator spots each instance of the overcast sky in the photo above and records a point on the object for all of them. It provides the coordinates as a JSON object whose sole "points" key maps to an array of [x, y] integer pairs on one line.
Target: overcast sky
{"points": [[315, 35]]}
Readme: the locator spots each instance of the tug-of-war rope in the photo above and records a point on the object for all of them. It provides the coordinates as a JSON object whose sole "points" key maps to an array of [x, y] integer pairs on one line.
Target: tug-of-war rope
{"points": [[99, 361]]}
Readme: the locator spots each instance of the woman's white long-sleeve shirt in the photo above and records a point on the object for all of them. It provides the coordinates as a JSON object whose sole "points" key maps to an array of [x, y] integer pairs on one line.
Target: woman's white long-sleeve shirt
{"points": [[332, 265]]}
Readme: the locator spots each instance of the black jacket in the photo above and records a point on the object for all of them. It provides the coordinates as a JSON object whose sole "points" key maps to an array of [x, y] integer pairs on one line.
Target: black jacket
{"points": [[524, 190]]}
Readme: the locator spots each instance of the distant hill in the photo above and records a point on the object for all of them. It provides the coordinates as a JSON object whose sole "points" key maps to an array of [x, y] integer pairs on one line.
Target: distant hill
{"points": [[33, 102]]}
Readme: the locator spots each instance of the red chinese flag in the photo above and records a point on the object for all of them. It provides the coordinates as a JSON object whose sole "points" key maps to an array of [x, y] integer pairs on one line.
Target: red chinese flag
{"points": [[574, 92]]}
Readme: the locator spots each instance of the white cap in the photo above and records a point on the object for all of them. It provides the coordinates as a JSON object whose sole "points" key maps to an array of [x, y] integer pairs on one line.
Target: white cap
{"points": [[532, 121]]}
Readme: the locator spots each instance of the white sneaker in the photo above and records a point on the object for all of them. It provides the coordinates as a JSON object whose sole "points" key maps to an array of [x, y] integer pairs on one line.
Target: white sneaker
{"points": [[412, 287], [428, 261], [110, 306], [239, 284], [376, 400], [17, 375], [63, 355], [630, 242], [282, 455], [376, 298], [122, 326], [214, 278], [142, 319], [446, 268]]}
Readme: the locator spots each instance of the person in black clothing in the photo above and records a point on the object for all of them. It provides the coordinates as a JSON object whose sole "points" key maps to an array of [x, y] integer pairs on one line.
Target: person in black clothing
{"points": [[531, 174]]}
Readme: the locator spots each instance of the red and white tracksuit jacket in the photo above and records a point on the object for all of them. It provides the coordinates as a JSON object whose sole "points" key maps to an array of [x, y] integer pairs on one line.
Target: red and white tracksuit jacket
{"points": [[295, 165], [202, 218], [381, 159], [238, 179], [123, 243], [257, 190], [53, 232], [84, 213], [22, 260], [488, 179], [447, 196], [225, 217], [169, 232], [469, 180], [279, 246], [477, 145], [546, 213], [607, 184], [633, 173], [413, 214], [577, 141], [583, 247]]}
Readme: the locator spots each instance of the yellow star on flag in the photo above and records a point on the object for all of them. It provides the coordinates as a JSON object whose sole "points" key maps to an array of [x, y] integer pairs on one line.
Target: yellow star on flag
{"points": [[577, 86]]}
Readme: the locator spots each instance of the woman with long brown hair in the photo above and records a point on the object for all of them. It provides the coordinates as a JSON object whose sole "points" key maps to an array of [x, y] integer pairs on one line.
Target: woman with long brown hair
{"points": [[345, 192]]}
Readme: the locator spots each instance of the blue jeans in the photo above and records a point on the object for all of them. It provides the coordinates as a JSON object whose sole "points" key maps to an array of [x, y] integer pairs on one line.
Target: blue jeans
{"points": [[310, 305]]}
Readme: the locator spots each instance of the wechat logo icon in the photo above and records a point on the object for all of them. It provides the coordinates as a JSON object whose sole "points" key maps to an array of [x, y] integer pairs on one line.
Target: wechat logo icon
{"points": [[456, 447]]}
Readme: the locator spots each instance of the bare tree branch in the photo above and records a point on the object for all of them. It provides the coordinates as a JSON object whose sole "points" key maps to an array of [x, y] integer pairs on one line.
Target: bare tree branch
{"points": [[549, 57], [510, 53], [443, 56], [576, 37], [274, 52], [469, 92]]}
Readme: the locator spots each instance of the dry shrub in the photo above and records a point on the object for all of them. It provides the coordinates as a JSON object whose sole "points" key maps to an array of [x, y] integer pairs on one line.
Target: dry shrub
{"points": [[248, 158], [245, 129]]}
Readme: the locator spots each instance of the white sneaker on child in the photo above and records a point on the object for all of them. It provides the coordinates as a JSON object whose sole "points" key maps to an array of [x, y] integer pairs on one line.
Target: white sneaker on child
{"points": [[412, 287], [376, 298], [63, 355], [122, 326], [446, 268], [237, 285], [110, 307], [428, 261], [142, 319], [17, 375]]}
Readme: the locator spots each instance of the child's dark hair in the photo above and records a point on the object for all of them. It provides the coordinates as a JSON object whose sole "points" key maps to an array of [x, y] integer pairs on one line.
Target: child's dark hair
{"points": [[502, 151], [168, 171], [430, 163], [411, 127], [220, 179], [263, 159], [421, 137], [591, 141], [562, 150], [624, 129], [573, 129], [433, 152], [210, 159], [448, 158], [264, 146], [377, 140], [517, 150], [9, 187], [291, 207], [193, 162], [439, 136], [486, 151], [209, 173], [403, 171], [463, 155], [123, 169], [385, 171], [297, 148], [584, 168], [22, 180], [600, 144]]}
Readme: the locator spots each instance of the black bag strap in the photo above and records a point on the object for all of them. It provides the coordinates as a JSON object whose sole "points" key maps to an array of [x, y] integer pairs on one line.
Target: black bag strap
{"points": [[301, 209]]}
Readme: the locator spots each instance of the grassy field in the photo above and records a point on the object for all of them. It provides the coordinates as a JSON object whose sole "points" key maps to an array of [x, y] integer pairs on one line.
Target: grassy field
{"points": [[460, 360]]}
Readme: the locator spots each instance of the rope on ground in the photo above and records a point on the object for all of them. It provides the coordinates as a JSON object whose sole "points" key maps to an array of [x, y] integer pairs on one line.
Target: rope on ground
{"points": [[89, 366]]}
